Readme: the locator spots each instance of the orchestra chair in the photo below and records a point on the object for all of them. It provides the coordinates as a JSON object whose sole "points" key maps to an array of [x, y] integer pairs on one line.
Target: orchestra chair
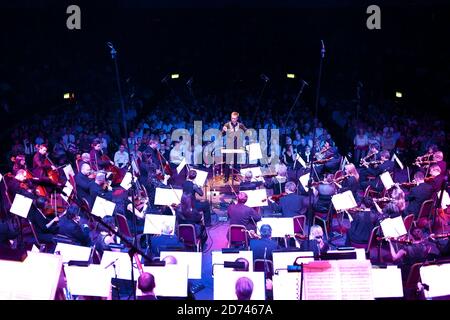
{"points": [[186, 234], [122, 223], [260, 265], [299, 224], [237, 236], [338, 174], [423, 218], [408, 221], [318, 220], [374, 243]]}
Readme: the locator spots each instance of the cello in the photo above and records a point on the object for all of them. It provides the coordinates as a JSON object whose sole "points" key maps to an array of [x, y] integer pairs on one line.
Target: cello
{"points": [[117, 174]]}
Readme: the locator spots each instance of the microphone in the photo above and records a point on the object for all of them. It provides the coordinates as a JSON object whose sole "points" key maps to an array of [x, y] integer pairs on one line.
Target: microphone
{"points": [[165, 79], [264, 77], [305, 83], [323, 49], [109, 44], [113, 262], [189, 82]]}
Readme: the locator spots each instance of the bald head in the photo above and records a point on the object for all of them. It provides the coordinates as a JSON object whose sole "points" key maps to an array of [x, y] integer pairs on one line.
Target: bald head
{"points": [[146, 282], [85, 169], [242, 197]]}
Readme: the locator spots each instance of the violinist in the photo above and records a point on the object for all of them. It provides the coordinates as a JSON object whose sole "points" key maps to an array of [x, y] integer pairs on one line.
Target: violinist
{"points": [[293, 204], [419, 250], [436, 178], [99, 188], [96, 156], [326, 189], [19, 163], [243, 215], [331, 154], [189, 187], [418, 194], [70, 226], [438, 156], [362, 224], [263, 248], [83, 181], [386, 165], [248, 184], [46, 228], [350, 181]]}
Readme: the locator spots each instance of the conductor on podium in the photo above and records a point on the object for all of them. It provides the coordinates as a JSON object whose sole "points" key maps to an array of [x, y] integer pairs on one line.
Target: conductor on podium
{"points": [[230, 129]]}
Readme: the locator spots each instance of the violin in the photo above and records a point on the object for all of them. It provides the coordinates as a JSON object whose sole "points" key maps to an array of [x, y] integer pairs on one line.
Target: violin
{"points": [[277, 197]]}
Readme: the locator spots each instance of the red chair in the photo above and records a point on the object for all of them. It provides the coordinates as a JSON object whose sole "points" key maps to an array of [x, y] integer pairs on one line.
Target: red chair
{"points": [[122, 223], [260, 265], [186, 233], [299, 224], [237, 236], [408, 221], [423, 218]]}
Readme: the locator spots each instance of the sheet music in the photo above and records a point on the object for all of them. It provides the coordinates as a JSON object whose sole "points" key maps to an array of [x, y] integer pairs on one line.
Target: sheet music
{"points": [[436, 277], [387, 282], [193, 260], [304, 181], [300, 159], [36, 278], [356, 279], [72, 252], [68, 171], [393, 227], [218, 258], [344, 201], [280, 226], [256, 198], [154, 223], [201, 177], [93, 280], [338, 280], [103, 207], [21, 205], [126, 181], [254, 151], [122, 264], [167, 197], [286, 285], [171, 280], [387, 180], [181, 165]]}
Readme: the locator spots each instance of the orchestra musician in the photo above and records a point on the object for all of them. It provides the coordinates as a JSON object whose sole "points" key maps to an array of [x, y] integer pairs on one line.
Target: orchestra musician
{"points": [[99, 188], [278, 182], [243, 215], [292, 204], [40, 163], [189, 187], [386, 165], [248, 184], [316, 242], [418, 194], [83, 182], [263, 248], [329, 154], [19, 163], [350, 181], [362, 224], [232, 126], [70, 226], [85, 158], [96, 156], [46, 227], [436, 178], [21, 184], [326, 189], [438, 156]]}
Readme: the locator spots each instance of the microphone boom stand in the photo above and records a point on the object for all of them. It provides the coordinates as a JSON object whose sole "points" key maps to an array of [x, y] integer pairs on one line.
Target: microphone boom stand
{"points": [[133, 186], [310, 191]]}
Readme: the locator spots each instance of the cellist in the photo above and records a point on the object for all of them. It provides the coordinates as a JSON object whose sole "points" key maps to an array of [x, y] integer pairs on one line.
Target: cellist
{"points": [[41, 165], [96, 156]]}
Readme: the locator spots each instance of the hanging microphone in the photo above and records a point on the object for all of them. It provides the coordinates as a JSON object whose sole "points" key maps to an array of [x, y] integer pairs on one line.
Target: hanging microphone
{"points": [[264, 77], [109, 44], [189, 82], [323, 49], [306, 83]]}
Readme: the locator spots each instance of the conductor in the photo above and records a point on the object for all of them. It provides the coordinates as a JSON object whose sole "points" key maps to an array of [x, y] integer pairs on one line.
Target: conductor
{"points": [[230, 129]]}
